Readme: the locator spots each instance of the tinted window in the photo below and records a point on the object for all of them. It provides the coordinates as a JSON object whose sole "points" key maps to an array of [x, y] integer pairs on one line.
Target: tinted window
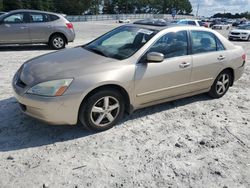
{"points": [[38, 17], [53, 17], [172, 44], [191, 23], [203, 42], [201, 24], [15, 18]]}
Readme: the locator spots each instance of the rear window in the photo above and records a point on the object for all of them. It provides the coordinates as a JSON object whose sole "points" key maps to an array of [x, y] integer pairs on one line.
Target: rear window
{"points": [[53, 17]]}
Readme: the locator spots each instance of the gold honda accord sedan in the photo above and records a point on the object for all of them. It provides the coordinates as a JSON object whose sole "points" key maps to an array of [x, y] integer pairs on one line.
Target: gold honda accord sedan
{"points": [[131, 67]]}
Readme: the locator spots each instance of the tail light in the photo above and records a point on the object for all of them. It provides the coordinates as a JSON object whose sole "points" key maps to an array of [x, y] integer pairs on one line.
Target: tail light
{"points": [[69, 25], [244, 57]]}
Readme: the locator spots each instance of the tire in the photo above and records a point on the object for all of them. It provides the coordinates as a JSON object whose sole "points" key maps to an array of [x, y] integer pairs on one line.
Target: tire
{"points": [[249, 38], [221, 84], [102, 110], [57, 42]]}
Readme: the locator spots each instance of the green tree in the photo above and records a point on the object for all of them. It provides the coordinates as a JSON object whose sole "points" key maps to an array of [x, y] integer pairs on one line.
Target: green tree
{"points": [[12, 4], [1, 5]]}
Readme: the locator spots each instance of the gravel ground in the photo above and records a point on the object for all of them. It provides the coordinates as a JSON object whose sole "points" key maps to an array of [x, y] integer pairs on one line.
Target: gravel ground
{"points": [[192, 142]]}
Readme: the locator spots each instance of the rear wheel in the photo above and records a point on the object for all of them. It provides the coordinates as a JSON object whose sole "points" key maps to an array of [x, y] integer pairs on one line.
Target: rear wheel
{"points": [[102, 110], [57, 42], [221, 84]]}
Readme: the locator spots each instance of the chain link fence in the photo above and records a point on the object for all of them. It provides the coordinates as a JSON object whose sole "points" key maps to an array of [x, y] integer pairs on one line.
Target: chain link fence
{"points": [[104, 17]]}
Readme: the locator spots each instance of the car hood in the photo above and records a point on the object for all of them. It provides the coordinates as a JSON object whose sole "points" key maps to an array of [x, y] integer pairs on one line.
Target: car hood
{"points": [[240, 31], [68, 63]]}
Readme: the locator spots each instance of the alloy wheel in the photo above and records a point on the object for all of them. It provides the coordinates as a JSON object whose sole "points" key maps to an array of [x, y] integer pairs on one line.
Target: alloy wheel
{"points": [[105, 111], [58, 42], [222, 84]]}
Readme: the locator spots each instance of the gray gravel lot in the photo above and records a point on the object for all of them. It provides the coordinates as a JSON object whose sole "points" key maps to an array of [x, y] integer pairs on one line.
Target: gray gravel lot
{"points": [[192, 142]]}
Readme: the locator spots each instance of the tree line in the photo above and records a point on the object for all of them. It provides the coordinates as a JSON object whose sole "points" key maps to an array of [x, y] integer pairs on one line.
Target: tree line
{"points": [[78, 7], [232, 16]]}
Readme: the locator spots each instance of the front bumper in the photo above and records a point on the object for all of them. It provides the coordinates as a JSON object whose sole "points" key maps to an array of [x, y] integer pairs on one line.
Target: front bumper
{"points": [[53, 110], [238, 37]]}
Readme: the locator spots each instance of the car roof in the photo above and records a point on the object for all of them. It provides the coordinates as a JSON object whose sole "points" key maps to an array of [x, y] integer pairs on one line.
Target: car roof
{"points": [[187, 19], [159, 27], [30, 10]]}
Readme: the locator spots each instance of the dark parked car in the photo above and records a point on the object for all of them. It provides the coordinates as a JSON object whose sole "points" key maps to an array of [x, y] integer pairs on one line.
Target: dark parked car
{"points": [[237, 23], [1, 13]]}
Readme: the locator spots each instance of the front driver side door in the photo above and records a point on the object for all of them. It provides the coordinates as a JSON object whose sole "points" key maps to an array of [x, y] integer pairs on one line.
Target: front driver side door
{"points": [[157, 81], [14, 29]]}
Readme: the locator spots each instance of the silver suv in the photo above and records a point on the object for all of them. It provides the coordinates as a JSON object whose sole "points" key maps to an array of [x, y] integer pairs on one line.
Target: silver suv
{"points": [[31, 26]]}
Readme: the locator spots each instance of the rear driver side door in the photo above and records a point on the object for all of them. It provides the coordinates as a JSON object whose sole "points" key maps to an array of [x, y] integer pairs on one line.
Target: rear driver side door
{"points": [[209, 57]]}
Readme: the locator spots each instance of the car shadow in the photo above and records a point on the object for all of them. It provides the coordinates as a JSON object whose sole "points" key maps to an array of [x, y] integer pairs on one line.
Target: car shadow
{"points": [[7, 48], [18, 131], [166, 106]]}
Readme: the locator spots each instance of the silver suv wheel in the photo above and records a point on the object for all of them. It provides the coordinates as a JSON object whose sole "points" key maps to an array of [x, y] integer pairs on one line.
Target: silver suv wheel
{"points": [[57, 42]]}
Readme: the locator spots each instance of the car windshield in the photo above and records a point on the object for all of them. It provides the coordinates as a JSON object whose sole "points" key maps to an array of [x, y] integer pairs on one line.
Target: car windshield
{"points": [[245, 27], [121, 43]]}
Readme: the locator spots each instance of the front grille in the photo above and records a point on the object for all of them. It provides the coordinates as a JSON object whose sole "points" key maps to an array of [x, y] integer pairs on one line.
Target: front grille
{"points": [[235, 33], [20, 83]]}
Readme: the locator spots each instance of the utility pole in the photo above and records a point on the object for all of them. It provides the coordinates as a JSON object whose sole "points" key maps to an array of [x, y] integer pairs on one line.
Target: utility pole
{"points": [[198, 7]]}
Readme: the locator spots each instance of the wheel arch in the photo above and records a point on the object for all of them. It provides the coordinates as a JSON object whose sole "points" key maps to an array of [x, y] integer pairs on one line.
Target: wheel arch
{"points": [[231, 70], [120, 89], [58, 33]]}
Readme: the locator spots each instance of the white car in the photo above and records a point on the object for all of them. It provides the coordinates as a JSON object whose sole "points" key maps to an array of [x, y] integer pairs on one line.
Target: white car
{"points": [[241, 33], [124, 21], [190, 22], [221, 26]]}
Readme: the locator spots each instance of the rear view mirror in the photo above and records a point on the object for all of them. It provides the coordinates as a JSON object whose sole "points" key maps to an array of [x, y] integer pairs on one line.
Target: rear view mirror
{"points": [[155, 57]]}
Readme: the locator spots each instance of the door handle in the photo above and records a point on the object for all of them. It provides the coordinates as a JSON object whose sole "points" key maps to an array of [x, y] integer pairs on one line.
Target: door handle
{"points": [[184, 65], [221, 57]]}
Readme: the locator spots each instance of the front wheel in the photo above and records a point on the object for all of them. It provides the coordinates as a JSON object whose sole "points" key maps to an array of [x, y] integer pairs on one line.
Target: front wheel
{"points": [[221, 84], [102, 110]]}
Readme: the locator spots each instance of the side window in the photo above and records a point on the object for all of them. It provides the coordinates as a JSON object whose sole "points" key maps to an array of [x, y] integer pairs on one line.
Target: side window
{"points": [[191, 23], [14, 19], [173, 44], [183, 22], [203, 42], [38, 17], [220, 46], [53, 17], [200, 23]]}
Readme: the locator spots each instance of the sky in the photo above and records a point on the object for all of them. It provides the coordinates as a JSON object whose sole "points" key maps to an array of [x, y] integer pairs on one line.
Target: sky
{"points": [[210, 7]]}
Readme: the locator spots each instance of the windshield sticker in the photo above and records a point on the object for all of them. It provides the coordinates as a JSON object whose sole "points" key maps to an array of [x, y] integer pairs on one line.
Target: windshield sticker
{"points": [[145, 31]]}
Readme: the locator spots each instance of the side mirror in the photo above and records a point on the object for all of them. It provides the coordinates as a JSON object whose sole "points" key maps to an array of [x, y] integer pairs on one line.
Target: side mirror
{"points": [[155, 57]]}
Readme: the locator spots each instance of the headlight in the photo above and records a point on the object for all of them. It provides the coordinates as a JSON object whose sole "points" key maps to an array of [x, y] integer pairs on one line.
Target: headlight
{"points": [[244, 33], [51, 88]]}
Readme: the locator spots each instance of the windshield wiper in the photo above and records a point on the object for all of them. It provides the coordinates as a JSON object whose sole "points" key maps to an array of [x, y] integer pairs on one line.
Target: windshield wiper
{"points": [[97, 51]]}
